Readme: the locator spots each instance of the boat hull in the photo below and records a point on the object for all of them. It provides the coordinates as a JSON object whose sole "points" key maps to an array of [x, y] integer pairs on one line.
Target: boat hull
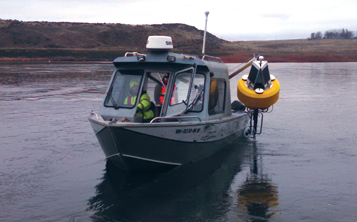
{"points": [[147, 146]]}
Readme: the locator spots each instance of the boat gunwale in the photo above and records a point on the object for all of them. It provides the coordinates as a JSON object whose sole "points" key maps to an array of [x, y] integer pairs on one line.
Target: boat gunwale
{"points": [[222, 119]]}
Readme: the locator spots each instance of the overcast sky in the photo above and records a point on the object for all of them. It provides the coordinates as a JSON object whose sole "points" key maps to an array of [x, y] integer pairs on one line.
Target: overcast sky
{"points": [[231, 20]]}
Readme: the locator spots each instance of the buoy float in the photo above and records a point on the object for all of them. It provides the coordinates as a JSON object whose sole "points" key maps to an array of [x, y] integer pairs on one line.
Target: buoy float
{"points": [[259, 89], [258, 100]]}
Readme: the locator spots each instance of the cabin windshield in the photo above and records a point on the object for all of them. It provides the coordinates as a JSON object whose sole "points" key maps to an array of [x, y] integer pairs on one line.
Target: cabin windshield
{"points": [[181, 87], [188, 91], [124, 89], [197, 94]]}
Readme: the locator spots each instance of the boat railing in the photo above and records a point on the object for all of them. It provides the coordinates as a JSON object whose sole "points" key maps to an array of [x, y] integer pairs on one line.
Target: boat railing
{"points": [[174, 119], [211, 58], [127, 54], [98, 117]]}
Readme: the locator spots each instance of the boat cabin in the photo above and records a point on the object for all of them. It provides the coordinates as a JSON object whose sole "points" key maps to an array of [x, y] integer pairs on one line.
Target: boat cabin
{"points": [[180, 87]]}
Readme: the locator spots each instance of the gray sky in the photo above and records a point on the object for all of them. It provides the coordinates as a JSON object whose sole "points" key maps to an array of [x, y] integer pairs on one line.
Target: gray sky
{"points": [[231, 20]]}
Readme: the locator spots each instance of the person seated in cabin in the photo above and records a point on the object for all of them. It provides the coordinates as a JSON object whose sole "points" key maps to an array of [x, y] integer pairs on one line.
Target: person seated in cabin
{"points": [[160, 91], [144, 107]]}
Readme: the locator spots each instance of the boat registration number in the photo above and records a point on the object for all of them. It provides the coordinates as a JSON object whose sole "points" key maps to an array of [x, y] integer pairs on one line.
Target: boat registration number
{"points": [[189, 130]]}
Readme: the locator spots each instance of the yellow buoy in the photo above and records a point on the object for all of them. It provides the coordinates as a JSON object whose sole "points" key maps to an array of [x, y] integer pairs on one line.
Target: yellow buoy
{"points": [[259, 98]]}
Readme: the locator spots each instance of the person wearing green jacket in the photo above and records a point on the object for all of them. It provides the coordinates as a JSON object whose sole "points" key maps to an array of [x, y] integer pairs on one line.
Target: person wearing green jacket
{"points": [[144, 103]]}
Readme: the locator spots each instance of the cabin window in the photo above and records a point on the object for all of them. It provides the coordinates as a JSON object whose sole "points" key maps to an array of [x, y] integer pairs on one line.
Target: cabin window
{"points": [[180, 90], [197, 93], [217, 96], [157, 87], [181, 87], [124, 89]]}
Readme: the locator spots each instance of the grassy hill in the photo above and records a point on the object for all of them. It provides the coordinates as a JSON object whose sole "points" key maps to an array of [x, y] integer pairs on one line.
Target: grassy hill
{"points": [[298, 50], [88, 41]]}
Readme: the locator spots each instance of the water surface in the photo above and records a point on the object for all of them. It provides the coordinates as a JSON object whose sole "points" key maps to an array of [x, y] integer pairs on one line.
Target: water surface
{"points": [[300, 169]]}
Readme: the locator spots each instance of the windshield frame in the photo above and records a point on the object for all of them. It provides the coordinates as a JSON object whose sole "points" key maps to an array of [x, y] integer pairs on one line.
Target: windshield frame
{"points": [[198, 96], [179, 107], [119, 88]]}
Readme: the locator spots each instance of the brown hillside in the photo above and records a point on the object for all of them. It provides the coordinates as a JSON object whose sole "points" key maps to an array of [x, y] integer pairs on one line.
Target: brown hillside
{"points": [[87, 41], [64, 35]]}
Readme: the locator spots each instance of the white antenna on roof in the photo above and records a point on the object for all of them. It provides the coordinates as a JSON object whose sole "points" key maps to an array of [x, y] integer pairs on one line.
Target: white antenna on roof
{"points": [[204, 35]]}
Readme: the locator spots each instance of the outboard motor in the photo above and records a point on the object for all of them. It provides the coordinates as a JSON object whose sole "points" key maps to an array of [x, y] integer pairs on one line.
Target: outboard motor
{"points": [[237, 106]]}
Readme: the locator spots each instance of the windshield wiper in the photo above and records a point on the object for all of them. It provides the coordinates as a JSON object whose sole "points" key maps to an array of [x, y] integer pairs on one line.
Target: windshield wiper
{"points": [[195, 100], [111, 98]]}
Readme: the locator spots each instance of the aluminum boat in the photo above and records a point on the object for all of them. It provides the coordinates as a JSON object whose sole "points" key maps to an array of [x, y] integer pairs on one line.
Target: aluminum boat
{"points": [[194, 117]]}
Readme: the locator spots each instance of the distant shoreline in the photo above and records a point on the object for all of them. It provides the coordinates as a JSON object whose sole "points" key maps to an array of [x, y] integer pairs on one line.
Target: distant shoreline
{"points": [[225, 59], [282, 51], [292, 59]]}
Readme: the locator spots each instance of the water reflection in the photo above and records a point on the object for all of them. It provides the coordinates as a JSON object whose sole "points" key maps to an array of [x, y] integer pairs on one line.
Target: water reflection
{"points": [[258, 195], [195, 192]]}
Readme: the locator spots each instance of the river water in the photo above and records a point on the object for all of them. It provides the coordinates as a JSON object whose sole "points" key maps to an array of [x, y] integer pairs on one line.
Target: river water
{"points": [[301, 168]]}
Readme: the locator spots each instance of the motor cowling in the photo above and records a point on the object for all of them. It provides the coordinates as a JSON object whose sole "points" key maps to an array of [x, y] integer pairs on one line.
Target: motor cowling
{"points": [[237, 106]]}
